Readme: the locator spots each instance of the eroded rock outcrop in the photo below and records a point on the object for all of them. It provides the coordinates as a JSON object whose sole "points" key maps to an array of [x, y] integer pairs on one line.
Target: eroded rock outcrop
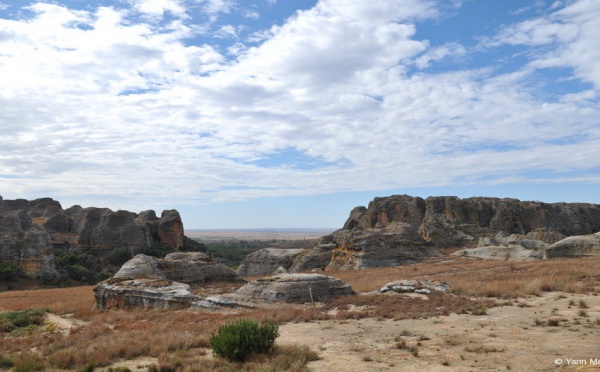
{"points": [[418, 286], [150, 282], [513, 247], [575, 246], [402, 228], [185, 267], [25, 246], [114, 294], [293, 288], [33, 232], [265, 261]]}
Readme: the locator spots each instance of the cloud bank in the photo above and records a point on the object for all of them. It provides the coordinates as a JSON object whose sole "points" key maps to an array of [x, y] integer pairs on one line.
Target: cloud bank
{"points": [[145, 102]]}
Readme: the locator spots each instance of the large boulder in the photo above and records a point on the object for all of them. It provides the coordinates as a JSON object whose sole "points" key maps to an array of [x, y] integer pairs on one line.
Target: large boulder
{"points": [[115, 293], [505, 247], [293, 288], [575, 246], [150, 282], [369, 249], [265, 261], [317, 257], [184, 267]]}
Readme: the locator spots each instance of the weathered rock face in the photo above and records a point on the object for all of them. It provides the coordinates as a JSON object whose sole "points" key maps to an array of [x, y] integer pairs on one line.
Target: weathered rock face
{"points": [[184, 267], [26, 246], [32, 231], [114, 294], [575, 246], [101, 228], [150, 282], [514, 247], [403, 228], [293, 288], [267, 260], [315, 258], [419, 286]]}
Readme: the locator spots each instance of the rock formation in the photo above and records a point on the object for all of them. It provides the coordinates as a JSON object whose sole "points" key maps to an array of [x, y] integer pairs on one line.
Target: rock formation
{"points": [[418, 286], [575, 246], [33, 232], [114, 294], [514, 247], [150, 282], [265, 261], [401, 228], [293, 288], [189, 268]]}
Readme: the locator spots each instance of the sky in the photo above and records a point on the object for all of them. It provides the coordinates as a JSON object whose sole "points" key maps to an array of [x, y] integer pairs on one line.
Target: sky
{"points": [[289, 113]]}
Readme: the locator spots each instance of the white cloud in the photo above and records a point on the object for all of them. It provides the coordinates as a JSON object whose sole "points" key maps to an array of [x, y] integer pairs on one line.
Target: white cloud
{"points": [[156, 8], [572, 33], [135, 110], [450, 50]]}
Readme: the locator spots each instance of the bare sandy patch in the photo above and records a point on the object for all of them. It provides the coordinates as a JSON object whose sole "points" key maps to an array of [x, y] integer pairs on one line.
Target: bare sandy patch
{"points": [[516, 337]]}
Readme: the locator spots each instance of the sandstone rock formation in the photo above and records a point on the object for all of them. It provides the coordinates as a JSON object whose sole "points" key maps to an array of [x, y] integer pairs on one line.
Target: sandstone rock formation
{"points": [[402, 228], [267, 260], [114, 294], [575, 246], [25, 246], [150, 282], [293, 288], [33, 232], [189, 268], [514, 247], [419, 286]]}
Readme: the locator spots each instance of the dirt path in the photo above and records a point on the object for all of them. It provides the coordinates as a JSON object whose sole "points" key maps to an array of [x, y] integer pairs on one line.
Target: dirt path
{"points": [[506, 338]]}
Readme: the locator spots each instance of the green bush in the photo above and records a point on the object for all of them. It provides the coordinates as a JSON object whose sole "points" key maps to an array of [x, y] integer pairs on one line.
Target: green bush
{"points": [[191, 245], [119, 256], [236, 341], [8, 271], [11, 320]]}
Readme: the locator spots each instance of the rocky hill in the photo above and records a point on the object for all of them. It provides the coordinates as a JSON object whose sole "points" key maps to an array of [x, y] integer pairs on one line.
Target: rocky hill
{"points": [[401, 228], [41, 240]]}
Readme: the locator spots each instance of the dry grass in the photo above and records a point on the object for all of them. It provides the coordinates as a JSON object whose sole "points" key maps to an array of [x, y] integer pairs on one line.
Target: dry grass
{"points": [[481, 278], [179, 339]]}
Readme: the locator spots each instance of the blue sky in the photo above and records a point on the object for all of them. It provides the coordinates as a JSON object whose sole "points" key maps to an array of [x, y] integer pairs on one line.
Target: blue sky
{"points": [[255, 114]]}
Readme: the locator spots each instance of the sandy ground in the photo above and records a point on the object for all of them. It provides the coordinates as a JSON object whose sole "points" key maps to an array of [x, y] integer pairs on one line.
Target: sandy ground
{"points": [[507, 338]]}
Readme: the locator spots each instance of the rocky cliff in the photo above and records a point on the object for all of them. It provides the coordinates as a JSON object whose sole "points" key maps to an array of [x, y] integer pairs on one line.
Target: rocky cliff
{"points": [[33, 233], [402, 228]]}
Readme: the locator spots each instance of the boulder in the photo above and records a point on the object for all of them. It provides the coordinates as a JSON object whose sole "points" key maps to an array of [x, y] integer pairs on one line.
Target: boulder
{"points": [[575, 246], [369, 249], [502, 253], [317, 257], [115, 293], [293, 288], [513, 247], [419, 286], [266, 260], [190, 256], [178, 268]]}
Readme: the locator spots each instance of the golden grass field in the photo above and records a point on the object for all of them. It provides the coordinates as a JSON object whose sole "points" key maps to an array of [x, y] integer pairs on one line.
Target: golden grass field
{"points": [[76, 334]]}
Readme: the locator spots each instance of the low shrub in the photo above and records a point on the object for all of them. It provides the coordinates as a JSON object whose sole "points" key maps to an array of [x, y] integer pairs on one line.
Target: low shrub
{"points": [[11, 320], [237, 340]]}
